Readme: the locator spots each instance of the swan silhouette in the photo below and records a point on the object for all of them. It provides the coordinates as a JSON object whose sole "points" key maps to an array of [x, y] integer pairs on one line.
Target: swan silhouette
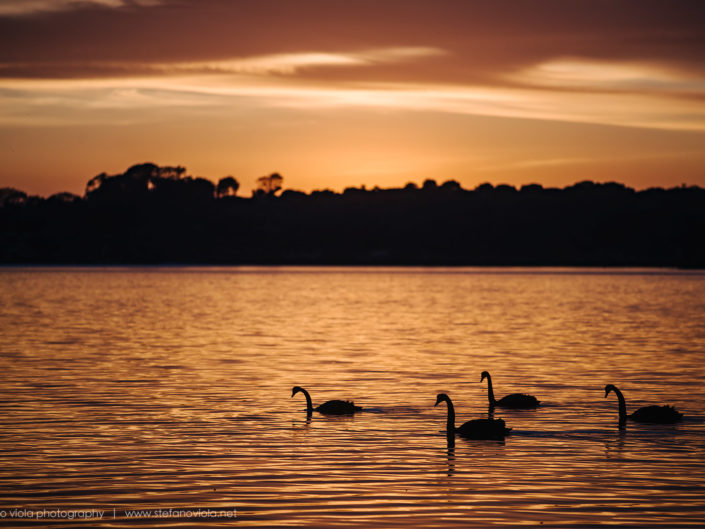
{"points": [[474, 429], [332, 407], [652, 414], [515, 400]]}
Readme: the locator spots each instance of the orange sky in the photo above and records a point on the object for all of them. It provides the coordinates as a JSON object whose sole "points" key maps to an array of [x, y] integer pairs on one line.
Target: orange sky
{"points": [[334, 93]]}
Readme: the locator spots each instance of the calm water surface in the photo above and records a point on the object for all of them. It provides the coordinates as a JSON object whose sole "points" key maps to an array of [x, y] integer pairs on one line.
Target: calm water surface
{"points": [[169, 388]]}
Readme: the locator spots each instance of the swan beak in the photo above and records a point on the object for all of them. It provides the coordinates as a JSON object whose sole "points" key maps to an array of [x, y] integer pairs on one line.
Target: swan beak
{"points": [[437, 402]]}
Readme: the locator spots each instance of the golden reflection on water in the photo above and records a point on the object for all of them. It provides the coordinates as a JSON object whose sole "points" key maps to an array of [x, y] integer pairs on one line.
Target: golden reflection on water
{"points": [[170, 388]]}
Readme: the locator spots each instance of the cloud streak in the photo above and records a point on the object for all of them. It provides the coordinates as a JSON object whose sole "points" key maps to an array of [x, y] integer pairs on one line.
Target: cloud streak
{"points": [[293, 63], [482, 38], [31, 7], [264, 81]]}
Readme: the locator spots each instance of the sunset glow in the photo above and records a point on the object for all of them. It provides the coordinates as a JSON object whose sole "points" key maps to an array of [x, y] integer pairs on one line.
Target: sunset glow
{"points": [[348, 104]]}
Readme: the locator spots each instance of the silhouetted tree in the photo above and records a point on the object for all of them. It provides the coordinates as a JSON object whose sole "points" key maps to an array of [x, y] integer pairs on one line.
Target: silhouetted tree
{"points": [[320, 193], [583, 186], [133, 183], [183, 190], [12, 197], [350, 191], [429, 184], [95, 183], [152, 214], [485, 187], [451, 185], [227, 186], [269, 185], [64, 198], [531, 188], [505, 188], [200, 188], [129, 185], [169, 172], [293, 194]]}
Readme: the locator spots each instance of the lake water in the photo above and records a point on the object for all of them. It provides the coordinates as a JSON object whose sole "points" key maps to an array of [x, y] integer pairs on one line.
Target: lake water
{"points": [[168, 391]]}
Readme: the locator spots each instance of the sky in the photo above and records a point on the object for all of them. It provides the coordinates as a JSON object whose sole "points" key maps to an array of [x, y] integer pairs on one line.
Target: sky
{"points": [[345, 93]]}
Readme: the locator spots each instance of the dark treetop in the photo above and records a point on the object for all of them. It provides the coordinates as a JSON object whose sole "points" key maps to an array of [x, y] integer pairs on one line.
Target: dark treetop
{"points": [[157, 215]]}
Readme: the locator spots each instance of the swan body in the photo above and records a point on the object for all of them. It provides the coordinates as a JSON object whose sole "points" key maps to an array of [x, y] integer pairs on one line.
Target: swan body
{"points": [[515, 400], [474, 429], [332, 407], [658, 414], [651, 414]]}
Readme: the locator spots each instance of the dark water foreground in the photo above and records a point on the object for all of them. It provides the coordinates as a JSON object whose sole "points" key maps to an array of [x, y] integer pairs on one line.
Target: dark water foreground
{"points": [[154, 397]]}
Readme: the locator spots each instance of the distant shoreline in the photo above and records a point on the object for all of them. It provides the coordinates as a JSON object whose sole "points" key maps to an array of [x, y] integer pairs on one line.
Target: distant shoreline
{"points": [[154, 216], [475, 270]]}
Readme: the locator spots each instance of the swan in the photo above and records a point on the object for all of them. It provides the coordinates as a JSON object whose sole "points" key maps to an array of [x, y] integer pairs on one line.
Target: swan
{"points": [[332, 407], [515, 400], [475, 429], [654, 414]]}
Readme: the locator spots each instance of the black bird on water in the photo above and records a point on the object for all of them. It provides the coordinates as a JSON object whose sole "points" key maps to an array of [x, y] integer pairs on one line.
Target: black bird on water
{"points": [[332, 407], [515, 400], [651, 414], [474, 429]]}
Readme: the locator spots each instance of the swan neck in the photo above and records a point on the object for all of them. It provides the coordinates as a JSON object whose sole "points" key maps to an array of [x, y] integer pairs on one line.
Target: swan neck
{"points": [[490, 391], [622, 407], [450, 423], [309, 405]]}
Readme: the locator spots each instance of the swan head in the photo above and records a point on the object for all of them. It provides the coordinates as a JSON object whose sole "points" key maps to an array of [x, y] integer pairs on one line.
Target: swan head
{"points": [[485, 374], [440, 398], [295, 390], [608, 388]]}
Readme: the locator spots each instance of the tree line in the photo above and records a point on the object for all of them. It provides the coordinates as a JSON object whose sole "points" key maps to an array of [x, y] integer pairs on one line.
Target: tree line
{"points": [[160, 215]]}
